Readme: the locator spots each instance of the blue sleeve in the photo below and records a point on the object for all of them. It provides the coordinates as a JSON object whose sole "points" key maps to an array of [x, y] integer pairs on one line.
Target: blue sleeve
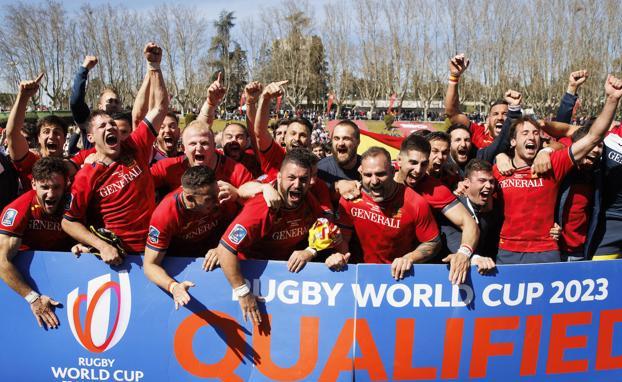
{"points": [[564, 113], [79, 109], [502, 141]]}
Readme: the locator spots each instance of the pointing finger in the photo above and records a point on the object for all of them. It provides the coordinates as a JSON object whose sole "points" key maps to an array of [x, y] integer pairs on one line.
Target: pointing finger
{"points": [[39, 77], [281, 83]]}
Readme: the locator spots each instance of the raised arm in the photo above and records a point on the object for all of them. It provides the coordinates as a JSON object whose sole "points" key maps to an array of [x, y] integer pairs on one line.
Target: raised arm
{"points": [[569, 99], [252, 91], [457, 65], [42, 306], [502, 141], [215, 94], [156, 114], [262, 135], [141, 102], [79, 109], [17, 144], [613, 92]]}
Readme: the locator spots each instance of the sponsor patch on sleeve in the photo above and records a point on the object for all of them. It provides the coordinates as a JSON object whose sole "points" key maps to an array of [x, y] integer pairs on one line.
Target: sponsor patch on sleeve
{"points": [[9, 217], [154, 234], [237, 234]]}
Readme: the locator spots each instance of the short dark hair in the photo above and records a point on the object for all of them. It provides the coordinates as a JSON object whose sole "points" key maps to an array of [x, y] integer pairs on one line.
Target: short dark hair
{"points": [[375, 151], [438, 136], [236, 124], [281, 122], [498, 102], [171, 114], [51, 120], [300, 157], [520, 121], [94, 114], [45, 167], [302, 121], [477, 165], [352, 124], [123, 116], [458, 126], [197, 177], [415, 142]]}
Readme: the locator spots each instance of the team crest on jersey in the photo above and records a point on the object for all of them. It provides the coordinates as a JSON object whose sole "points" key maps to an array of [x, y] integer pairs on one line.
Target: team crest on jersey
{"points": [[238, 233], [154, 234], [9, 217]]}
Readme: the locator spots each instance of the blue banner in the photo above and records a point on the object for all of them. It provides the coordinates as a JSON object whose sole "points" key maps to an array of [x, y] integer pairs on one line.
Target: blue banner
{"points": [[554, 322]]}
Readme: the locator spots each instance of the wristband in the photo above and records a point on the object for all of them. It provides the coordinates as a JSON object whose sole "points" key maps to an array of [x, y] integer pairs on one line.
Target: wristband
{"points": [[465, 249], [312, 250], [514, 108], [153, 65], [454, 79], [241, 291], [473, 258], [172, 286], [548, 149], [32, 296]]}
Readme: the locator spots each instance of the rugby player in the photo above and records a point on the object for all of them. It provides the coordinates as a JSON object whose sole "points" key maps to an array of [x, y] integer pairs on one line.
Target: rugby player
{"points": [[116, 190], [33, 222], [188, 222]]}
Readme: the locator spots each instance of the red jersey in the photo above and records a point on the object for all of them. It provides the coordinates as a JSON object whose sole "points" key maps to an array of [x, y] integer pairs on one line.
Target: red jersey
{"points": [[25, 218], [318, 191], [576, 214], [120, 196], [167, 172], [81, 156], [389, 229], [480, 135], [529, 205], [182, 232], [24, 168], [271, 159], [261, 233], [438, 196]]}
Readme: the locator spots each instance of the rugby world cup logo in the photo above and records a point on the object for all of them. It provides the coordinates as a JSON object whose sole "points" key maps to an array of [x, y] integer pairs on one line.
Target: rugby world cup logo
{"points": [[102, 327]]}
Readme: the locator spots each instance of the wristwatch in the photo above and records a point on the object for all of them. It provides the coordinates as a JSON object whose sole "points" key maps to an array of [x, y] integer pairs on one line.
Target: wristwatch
{"points": [[32, 296]]}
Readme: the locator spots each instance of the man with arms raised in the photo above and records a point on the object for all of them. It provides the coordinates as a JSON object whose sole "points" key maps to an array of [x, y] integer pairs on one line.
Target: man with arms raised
{"points": [[481, 135], [529, 201], [116, 191], [33, 222], [259, 232], [188, 222]]}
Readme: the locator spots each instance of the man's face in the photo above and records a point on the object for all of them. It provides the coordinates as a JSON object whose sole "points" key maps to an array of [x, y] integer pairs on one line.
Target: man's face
{"points": [[199, 146], [319, 152], [234, 141], [202, 199], [294, 182], [527, 141], [592, 159], [438, 155], [296, 136], [344, 144], [496, 117], [51, 140], [279, 135], [460, 146], [109, 102], [168, 136], [480, 185], [413, 166], [50, 192], [377, 177], [106, 136], [125, 128]]}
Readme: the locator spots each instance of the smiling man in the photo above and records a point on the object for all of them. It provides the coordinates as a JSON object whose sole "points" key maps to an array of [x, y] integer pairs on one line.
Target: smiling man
{"points": [[528, 200], [33, 222], [116, 191], [50, 133]]}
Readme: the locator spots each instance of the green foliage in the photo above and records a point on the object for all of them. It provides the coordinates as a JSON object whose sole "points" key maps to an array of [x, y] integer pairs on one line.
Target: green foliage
{"points": [[388, 121]]}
